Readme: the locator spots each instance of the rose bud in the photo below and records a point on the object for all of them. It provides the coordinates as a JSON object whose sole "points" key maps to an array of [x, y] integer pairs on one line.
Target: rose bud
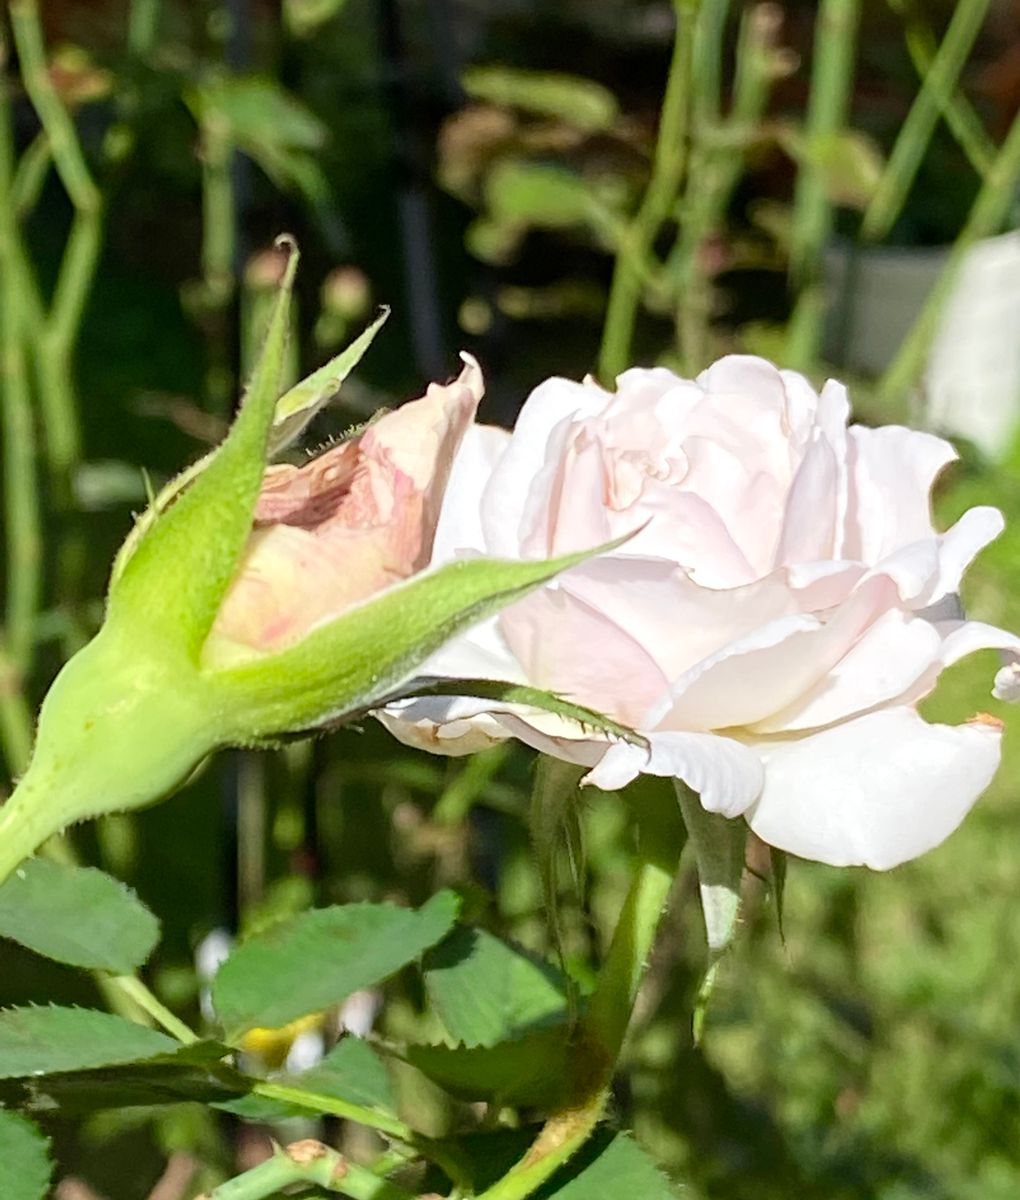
{"points": [[249, 603]]}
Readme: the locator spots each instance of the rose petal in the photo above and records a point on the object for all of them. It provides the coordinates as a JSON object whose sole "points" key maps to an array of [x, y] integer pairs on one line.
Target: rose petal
{"points": [[726, 775], [892, 470], [876, 791], [893, 654], [460, 523]]}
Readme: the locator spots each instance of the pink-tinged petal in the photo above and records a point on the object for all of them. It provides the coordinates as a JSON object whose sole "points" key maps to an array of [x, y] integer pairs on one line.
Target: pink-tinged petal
{"points": [[460, 522], [507, 496], [727, 776], [685, 529], [766, 672], [891, 656], [892, 470], [568, 647], [349, 523], [876, 791], [577, 518], [810, 520], [676, 621], [967, 637], [820, 585]]}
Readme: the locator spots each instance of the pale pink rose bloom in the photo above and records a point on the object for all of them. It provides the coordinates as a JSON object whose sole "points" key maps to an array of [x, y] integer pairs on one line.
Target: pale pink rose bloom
{"points": [[782, 607], [347, 524]]}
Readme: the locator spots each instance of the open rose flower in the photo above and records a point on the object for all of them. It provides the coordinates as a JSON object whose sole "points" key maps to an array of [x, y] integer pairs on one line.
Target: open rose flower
{"points": [[783, 606], [347, 524]]}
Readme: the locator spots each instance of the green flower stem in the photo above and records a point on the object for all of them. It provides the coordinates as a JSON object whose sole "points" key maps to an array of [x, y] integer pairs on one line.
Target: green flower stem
{"points": [[961, 118], [668, 168], [31, 174], [54, 335], [986, 217], [143, 26], [15, 717], [20, 493], [133, 988], [604, 1026], [335, 1107], [308, 1162], [716, 164], [828, 104], [938, 85], [219, 243]]}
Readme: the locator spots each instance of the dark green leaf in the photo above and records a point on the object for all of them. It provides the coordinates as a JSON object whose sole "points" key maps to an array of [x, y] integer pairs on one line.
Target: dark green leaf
{"points": [[321, 957], [613, 1168], [533, 1069], [486, 991], [25, 1166], [195, 1072], [76, 915], [352, 1071], [38, 1041]]}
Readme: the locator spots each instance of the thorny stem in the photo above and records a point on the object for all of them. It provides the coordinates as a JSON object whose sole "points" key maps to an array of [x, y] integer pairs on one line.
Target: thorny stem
{"points": [[604, 1026], [668, 168], [308, 1162]]}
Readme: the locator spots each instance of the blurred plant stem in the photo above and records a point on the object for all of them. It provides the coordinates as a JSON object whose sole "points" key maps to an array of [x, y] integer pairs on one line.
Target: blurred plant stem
{"points": [[718, 154], [962, 120], [21, 505], [668, 166], [601, 1032], [937, 89], [219, 246], [308, 1162], [143, 26], [828, 105], [986, 217], [54, 333]]}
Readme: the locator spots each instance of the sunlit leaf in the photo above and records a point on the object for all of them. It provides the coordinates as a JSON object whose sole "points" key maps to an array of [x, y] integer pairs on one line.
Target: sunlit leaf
{"points": [[37, 1041], [76, 915], [321, 957], [579, 102], [486, 991]]}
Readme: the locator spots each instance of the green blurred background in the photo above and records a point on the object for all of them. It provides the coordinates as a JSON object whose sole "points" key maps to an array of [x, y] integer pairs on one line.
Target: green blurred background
{"points": [[471, 164]]}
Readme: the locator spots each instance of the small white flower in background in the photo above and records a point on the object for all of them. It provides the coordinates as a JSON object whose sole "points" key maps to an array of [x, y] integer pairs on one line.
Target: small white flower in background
{"points": [[784, 605]]}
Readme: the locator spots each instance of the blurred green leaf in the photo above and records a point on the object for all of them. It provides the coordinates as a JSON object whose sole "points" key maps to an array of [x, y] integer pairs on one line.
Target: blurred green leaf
{"points": [[486, 991], [352, 1072], [304, 17], [579, 102], [850, 162], [76, 915], [25, 1166], [37, 1041], [530, 1070], [518, 192], [321, 957]]}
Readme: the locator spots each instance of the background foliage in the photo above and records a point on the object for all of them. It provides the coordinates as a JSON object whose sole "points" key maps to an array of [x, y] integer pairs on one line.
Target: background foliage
{"points": [[485, 169]]}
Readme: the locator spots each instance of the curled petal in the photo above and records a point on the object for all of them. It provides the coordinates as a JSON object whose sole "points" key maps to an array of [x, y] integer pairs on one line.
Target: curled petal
{"points": [[876, 791]]}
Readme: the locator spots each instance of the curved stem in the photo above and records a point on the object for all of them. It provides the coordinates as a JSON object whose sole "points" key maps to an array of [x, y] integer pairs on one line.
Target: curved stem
{"points": [[667, 174], [308, 1162], [604, 1026]]}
